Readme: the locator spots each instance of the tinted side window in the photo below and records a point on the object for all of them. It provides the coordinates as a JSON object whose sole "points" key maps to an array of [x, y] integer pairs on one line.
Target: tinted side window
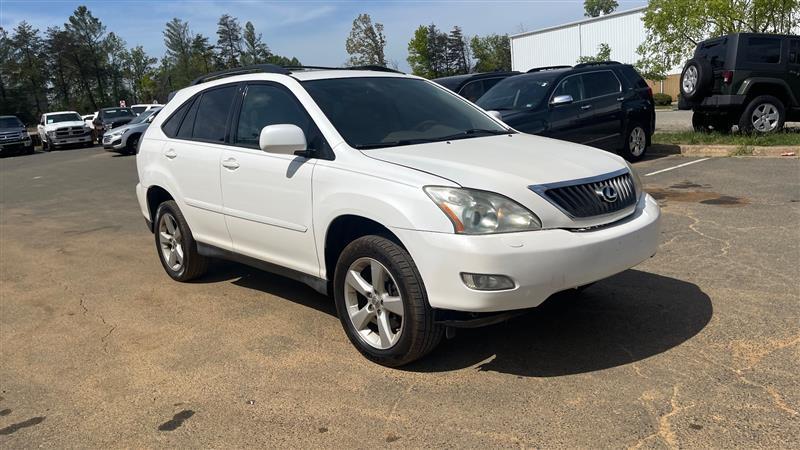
{"points": [[472, 91], [765, 50], [634, 78], [268, 105], [170, 126], [212, 114], [490, 82], [570, 86], [714, 51], [185, 131], [794, 51], [598, 84]]}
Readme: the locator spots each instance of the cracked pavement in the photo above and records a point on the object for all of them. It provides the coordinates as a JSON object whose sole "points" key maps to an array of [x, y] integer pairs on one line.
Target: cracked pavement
{"points": [[696, 347]]}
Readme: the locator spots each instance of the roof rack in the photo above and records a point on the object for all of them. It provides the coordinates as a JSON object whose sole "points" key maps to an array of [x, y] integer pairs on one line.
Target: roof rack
{"points": [[540, 69], [265, 68], [374, 68], [598, 63]]}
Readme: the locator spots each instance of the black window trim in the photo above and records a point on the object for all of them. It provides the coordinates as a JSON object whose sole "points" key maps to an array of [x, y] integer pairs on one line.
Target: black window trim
{"points": [[196, 98], [325, 153]]}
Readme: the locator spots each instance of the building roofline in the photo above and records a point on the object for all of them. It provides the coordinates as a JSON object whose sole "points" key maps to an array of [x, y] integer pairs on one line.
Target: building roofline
{"points": [[579, 22]]}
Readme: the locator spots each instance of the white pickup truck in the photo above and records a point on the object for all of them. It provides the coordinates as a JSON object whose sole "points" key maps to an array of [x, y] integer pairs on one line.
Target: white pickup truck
{"points": [[63, 128]]}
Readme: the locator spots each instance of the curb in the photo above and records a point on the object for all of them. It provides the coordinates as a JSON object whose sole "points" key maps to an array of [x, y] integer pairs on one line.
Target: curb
{"points": [[724, 150]]}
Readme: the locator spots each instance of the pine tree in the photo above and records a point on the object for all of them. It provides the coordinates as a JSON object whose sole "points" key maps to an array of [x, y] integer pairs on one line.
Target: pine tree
{"points": [[229, 41], [255, 51]]}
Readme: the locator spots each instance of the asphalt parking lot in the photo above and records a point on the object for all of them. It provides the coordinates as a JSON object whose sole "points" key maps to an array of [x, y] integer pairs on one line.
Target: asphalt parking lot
{"points": [[698, 346]]}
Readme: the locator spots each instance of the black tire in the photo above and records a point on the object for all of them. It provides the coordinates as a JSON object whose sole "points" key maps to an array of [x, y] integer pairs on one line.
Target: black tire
{"points": [[194, 264], [746, 120], [419, 334], [704, 77], [722, 124], [701, 122], [132, 146], [636, 141]]}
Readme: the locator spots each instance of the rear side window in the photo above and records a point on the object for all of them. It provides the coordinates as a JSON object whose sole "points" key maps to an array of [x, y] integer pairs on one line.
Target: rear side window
{"points": [[713, 51], [598, 84], [185, 131], [212, 114], [170, 126], [763, 50], [633, 77]]}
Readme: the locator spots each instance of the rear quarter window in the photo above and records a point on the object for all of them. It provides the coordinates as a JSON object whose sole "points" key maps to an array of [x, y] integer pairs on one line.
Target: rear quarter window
{"points": [[763, 50], [714, 52], [633, 77]]}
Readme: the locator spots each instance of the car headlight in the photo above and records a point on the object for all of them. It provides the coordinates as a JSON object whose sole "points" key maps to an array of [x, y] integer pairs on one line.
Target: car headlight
{"points": [[637, 182], [479, 212], [51, 133], [118, 133]]}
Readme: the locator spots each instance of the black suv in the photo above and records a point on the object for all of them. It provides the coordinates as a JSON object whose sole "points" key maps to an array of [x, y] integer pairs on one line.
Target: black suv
{"points": [[745, 79], [605, 105], [14, 138], [108, 118], [472, 86]]}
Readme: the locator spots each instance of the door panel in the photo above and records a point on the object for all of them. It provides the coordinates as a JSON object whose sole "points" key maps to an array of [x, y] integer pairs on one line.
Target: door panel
{"points": [[566, 122], [267, 197], [604, 120]]}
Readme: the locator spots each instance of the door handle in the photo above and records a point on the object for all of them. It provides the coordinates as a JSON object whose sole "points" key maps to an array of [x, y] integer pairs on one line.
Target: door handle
{"points": [[585, 107], [171, 153], [619, 99], [230, 163]]}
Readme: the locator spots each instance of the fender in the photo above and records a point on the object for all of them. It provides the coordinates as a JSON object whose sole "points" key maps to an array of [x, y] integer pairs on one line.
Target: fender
{"points": [[748, 84]]}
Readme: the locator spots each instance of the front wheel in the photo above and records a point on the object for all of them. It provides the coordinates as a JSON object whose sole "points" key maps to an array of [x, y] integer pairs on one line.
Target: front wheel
{"points": [[382, 304], [132, 147], [635, 143]]}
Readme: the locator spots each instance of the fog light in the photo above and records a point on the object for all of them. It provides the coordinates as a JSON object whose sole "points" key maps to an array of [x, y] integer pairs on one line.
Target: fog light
{"points": [[482, 282]]}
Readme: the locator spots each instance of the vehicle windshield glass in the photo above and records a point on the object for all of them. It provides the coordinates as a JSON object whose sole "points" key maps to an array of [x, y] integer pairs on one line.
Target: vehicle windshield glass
{"points": [[143, 116], [64, 117], [520, 92], [10, 122], [138, 109], [376, 112], [114, 113]]}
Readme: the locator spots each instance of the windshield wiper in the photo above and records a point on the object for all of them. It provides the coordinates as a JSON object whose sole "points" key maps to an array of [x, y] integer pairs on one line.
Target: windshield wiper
{"points": [[391, 143], [473, 132]]}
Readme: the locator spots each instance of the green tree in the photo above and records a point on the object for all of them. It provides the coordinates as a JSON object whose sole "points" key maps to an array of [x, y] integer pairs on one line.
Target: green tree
{"points": [[87, 35], [140, 74], [255, 51], [491, 52], [419, 58], [458, 56], [603, 54], [674, 27], [229, 41], [366, 43], [177, 69], [596, 8], [118, 57], [203, 58], [27, 65]]}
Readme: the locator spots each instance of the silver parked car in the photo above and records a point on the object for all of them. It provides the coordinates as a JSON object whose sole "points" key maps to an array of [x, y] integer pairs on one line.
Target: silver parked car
{"points": [[125, 139]]}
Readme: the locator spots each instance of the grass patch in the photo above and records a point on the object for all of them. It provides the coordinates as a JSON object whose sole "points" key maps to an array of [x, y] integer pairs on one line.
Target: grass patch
{"points": [[742, 150], [784, 138]]}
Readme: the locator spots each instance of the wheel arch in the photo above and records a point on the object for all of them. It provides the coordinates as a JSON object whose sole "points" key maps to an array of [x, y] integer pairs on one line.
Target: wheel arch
{"points": [[343, 230], [768, 86], [156, 195]]}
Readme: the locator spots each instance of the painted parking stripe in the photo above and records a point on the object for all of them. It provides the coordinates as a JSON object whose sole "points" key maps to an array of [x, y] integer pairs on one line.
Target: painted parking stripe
{"points": [[676, 167]]}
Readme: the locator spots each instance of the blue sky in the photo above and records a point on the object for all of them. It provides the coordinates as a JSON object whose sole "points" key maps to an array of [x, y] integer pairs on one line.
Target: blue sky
{"points": [[312, 30]]}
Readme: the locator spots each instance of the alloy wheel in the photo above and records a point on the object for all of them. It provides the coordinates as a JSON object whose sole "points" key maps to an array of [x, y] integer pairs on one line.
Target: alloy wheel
{"points": [[637, 141], [689, 80], [765, 117], [374, 304], [170, 242]]}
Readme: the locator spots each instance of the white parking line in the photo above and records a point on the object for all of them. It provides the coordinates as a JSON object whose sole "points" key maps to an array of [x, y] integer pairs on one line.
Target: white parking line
{"points": [[676, 167]]}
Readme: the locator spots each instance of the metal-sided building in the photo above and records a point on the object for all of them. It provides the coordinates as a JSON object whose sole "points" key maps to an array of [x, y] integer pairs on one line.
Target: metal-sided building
{"points": [[623, 31]]}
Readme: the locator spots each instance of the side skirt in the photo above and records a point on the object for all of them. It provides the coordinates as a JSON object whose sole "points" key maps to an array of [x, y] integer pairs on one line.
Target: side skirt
{"points": [[318, 284]]}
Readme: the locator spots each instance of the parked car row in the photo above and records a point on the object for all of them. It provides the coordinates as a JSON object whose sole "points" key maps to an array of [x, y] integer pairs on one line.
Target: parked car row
{"points": [[606, 105]]}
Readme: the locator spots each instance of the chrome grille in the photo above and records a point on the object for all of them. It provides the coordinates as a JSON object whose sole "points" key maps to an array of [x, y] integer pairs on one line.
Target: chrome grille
{"points": [[584, 198]]}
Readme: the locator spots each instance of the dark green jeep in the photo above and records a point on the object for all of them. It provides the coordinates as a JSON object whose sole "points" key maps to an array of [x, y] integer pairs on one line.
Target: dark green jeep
{"points": [[745, 79]]}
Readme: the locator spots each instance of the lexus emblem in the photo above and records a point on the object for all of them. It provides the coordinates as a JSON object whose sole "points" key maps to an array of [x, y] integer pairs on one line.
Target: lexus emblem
{"points": [[607, 193]]}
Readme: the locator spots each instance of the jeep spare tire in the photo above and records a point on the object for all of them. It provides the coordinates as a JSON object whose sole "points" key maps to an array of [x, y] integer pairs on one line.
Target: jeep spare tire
{"points": [[696, 78]]}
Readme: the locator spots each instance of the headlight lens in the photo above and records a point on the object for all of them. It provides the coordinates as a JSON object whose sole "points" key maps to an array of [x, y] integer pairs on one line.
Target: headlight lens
{"points": [[479, 212], [637, 182]]}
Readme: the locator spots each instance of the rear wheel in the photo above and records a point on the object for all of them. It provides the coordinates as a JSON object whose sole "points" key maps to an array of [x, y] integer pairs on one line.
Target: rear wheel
{"points": [[382, 304], [635, 142], [175, 245], [701, 123], [764, 114]]}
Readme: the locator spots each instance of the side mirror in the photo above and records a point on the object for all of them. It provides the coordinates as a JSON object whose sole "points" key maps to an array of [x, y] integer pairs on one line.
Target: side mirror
{"points": [[495, 114], [284, 139], [561, 100]]}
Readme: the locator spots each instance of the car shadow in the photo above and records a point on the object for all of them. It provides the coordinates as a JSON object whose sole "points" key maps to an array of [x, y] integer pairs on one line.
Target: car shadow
{"points": [[623, 319]]}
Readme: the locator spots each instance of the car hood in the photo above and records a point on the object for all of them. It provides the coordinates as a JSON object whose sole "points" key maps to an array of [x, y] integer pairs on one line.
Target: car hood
{"points": [[131, 126], [508, 165], [118, 121], [486, 162], [57, 125], [12, 130]]}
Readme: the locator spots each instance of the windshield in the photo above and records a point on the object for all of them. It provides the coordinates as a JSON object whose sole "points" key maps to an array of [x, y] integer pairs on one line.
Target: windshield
{"points": [[10, 122], [114, 113], [64, 117], [375, 112], [143, 116], [138, 109], [520, 92]]}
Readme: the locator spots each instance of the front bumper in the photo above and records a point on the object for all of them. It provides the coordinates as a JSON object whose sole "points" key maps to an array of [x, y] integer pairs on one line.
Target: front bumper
{"points": [[541, 263], [70, 139], [15, 146], [114, 143]]}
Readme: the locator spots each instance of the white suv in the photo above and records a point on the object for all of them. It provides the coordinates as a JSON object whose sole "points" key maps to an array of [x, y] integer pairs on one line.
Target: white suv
{"points": [[414, 208]]}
